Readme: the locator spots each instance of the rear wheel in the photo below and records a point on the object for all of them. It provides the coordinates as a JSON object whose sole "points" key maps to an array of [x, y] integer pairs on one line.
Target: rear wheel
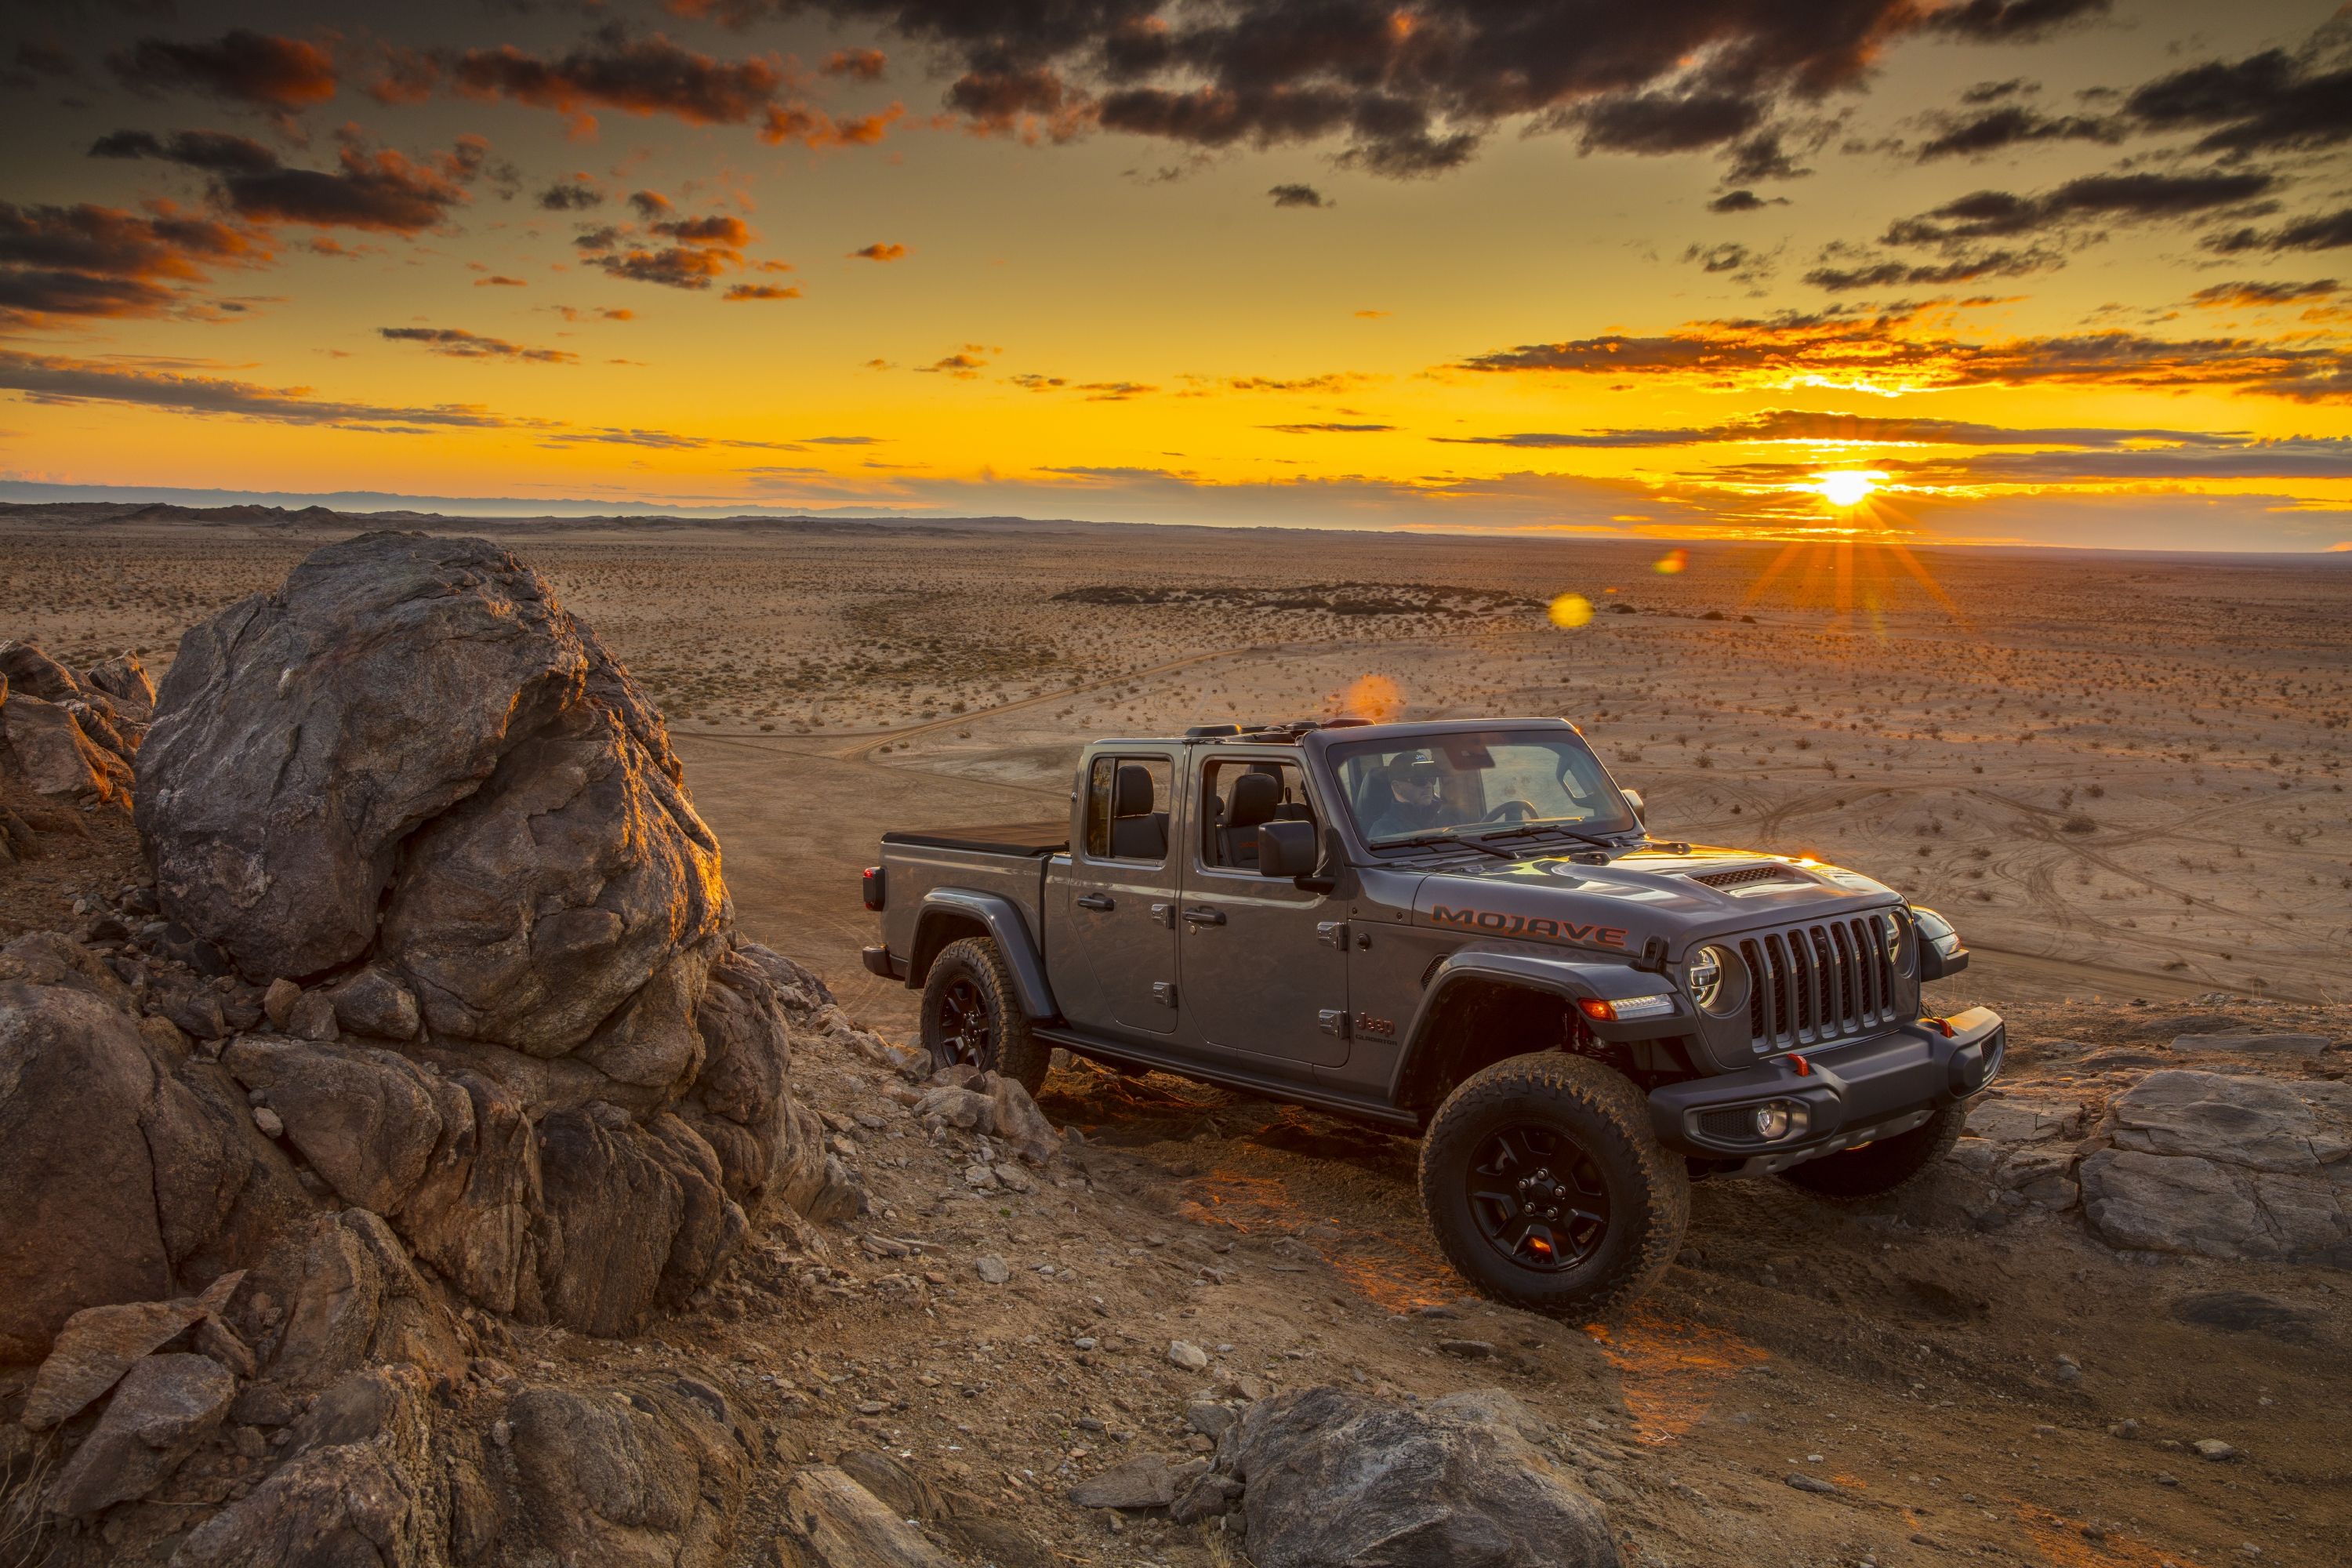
{"points": [[1547, 1190], [1888, 1165], [972, 1016]]}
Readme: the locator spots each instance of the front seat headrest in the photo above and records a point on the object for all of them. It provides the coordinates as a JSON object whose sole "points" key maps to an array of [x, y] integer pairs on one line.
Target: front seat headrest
{"points": [[1255, 798], [1132, 797]]}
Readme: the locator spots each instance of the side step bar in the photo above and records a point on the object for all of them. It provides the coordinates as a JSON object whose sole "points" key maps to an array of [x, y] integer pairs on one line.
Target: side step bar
{"points": [[1268, 1087]]}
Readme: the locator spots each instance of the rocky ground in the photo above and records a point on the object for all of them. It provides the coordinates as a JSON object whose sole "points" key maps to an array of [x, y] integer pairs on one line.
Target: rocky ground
{"points": [[1139, 1322]]}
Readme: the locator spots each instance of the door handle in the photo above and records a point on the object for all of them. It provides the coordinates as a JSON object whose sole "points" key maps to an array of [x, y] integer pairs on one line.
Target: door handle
{"points": [[1096, 902], [1204, 917]]}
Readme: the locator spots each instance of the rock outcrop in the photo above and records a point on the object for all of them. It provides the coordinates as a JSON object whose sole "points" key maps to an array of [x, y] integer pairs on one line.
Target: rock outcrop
{"points": [[415, 799], [1327, 1476], [433, 1019], [2225, 1165]]}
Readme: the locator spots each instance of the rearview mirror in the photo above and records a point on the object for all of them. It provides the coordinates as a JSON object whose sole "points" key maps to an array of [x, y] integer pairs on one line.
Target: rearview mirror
{"points": [[1633, 799], [1287, 849]]}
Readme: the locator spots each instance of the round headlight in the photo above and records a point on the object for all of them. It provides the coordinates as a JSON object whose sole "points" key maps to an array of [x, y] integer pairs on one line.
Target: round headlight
{"points": [[1898, 941], [1713, 980]]}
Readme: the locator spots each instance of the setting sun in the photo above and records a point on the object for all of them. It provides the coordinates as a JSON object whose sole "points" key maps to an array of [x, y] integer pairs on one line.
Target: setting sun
{"points": [[1847, 489]]}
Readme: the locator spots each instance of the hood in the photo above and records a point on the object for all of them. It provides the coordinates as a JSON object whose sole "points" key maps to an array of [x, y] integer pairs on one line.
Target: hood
{"points": [[1679, 893]]}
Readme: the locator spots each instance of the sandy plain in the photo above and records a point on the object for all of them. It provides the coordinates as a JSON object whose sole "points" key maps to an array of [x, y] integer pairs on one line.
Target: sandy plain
{"points": [[2123, 776]]}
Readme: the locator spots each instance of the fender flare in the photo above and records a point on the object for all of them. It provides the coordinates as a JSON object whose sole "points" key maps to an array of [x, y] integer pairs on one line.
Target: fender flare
{"points": [[1008, 928], [1572, 979]]}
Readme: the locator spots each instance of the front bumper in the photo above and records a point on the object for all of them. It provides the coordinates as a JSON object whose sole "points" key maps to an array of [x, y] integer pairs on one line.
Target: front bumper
{"points": [[1850, 1094]]}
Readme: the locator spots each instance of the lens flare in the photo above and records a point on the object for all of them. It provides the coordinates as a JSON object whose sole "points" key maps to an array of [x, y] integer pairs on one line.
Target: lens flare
{"points": [[1672, 561], [1572, 610], [1373, 697]]}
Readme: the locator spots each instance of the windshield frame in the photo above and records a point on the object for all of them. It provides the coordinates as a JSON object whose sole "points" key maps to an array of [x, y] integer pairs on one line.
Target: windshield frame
{"points": [[1530, 832]]}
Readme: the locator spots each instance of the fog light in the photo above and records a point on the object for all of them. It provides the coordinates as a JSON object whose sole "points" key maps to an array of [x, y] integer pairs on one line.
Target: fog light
{"points": [[1781, 1119]]}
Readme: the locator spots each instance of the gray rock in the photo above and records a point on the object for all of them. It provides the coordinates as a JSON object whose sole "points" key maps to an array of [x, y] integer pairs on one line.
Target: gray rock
{"points": [[1805, 1483], [993, 1270], [359, 1484], [831, 1521], [1210, 1418], [1333, 1477], [2226, 1166], [645, 1472], [1188, 1356], [165, 1407], [2255, 1123], [99, 1344], [49, 749], [2307, 1046], [1141, 1483], [122, 1164], [2215, 1451], [125, 682]]}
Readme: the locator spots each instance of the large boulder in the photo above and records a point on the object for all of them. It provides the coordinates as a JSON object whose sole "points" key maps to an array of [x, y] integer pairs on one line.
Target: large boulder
{"points": [[1329, 1476], [2226, 1165], [413, 797]]}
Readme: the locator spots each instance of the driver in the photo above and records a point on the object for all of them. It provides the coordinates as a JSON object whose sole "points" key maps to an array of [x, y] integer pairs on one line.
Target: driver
{"points": [[1414, 805]]}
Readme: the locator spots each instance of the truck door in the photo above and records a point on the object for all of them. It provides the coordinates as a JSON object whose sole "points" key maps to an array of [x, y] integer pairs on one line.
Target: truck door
{"points": [[1264, 966], [1122, 893]]}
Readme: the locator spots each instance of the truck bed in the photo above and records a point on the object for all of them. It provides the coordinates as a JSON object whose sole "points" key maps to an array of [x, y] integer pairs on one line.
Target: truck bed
{"points": [[1031, 838]]}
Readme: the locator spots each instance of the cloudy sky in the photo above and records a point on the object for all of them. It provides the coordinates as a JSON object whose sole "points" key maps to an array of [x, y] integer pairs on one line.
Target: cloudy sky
{"points": [[2056, 271]]}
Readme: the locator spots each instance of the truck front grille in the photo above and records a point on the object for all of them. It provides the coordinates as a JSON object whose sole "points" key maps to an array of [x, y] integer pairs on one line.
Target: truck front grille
{"points": [[1824, 980]]}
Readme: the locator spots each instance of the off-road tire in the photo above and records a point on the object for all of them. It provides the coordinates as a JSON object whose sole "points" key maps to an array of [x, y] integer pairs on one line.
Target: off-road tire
{"points": [[1888, 1165], [1605, 1117], [1012, 1051]]}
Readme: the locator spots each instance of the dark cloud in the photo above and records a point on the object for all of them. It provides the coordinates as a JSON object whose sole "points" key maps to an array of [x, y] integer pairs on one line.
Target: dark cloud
{"points": [[880, 250], [1743, 200], [88, 260], [2321, 231], [964, 364], [36, 60], [689, 253], [2125, 197], [50, 379], [369, 188], [1328, 429], [1296, 196], [1995, 91], [2012, 125], [1902, 348], [816, 128], [2010, 21], [1801, 425], [2259, 294], [1909, 275], [1722, 258], [2272, 101], [241, 64], [564, 196], [458, 343], [1418, 92], [642, 76]]}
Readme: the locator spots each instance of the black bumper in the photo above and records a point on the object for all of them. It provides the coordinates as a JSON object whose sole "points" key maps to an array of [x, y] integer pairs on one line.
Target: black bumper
{"points": [[1851, 1093], [878, 961]]}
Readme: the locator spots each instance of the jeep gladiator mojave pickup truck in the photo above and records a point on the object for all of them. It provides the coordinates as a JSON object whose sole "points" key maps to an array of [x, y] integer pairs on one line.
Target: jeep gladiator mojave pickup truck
{"points": [[1460, 929]]}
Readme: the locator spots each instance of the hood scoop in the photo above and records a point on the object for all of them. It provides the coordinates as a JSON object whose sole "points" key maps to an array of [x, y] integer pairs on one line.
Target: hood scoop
{"points": [[1753, 879]]}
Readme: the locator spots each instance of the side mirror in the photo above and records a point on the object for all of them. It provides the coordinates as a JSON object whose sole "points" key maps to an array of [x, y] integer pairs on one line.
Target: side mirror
{"points": [[1633, 799], [1287, 849]]}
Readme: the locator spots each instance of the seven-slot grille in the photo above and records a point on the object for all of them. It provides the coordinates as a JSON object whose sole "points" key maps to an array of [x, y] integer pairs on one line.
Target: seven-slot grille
{"points": [[1822, 980]]}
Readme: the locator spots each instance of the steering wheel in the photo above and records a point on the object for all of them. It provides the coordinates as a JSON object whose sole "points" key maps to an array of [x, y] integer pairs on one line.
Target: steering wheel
{"points": [[1523, 810]]}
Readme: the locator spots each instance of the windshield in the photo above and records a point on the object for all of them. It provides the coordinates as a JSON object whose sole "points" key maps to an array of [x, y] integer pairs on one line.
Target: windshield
{"points": [[1471, 783]]}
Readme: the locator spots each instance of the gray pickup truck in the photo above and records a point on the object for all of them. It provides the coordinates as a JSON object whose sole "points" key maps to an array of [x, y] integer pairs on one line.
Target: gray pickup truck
{"points": [[1464, 929]]}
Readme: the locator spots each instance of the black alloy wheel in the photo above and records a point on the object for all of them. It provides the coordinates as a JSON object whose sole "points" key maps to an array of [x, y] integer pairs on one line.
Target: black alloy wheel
{"points": [[965, 1032], [1536, 1198]]}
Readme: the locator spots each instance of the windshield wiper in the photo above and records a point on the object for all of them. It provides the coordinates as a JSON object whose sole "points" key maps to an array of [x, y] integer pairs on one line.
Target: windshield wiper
{"points": [[1434, 840], [1530, 829]]}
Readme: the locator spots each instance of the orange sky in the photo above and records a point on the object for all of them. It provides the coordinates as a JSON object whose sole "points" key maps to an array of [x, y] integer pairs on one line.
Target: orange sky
{"points": [[2045, 271]]}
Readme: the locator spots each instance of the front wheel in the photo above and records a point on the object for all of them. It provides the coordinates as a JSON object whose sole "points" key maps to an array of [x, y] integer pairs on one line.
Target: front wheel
{"points": [[972, 1016], [1547, 1190], [1887, 1166]]}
